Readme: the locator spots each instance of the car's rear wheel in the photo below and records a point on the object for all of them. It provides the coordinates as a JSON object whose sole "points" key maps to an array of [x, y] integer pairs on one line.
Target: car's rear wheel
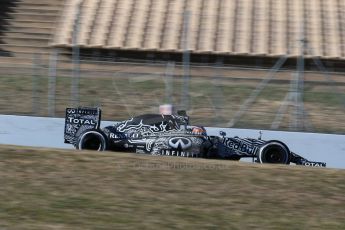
{"points": [[92, 140]]}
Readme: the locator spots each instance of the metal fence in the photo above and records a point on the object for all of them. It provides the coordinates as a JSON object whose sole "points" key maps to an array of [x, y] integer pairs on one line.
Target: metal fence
{"points": [[213, 95]]}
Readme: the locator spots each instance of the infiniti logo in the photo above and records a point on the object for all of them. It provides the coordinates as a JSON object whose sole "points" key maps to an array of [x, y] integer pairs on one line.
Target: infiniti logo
{"points": [[70, 110], [180, 143]]}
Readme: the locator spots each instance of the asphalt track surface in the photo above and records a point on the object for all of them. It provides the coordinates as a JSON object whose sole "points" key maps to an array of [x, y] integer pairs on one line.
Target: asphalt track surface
{"points": [[48, 132]]}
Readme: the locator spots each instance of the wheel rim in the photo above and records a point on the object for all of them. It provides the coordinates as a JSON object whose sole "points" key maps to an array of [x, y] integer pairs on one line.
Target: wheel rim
{"points": [[92, 141], [274, 154]]}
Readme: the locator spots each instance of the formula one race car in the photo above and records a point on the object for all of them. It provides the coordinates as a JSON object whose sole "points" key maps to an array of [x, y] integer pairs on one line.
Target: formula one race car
{"points": [[170, 135]]}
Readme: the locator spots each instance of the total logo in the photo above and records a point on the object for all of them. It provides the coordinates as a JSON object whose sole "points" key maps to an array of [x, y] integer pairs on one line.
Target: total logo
{"points": [[81, 121], [180, 143], [314, 164]]}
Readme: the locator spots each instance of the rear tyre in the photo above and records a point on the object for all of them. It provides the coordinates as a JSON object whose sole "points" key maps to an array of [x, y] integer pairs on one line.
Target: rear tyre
{"points": [[92, 140], [274, 152]]}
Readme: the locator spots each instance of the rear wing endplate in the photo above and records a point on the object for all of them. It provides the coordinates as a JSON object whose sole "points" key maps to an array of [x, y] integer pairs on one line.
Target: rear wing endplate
{"points": [[77, 120]]}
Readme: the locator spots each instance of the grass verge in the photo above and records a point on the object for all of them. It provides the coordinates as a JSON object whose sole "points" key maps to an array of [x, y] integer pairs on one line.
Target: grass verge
{"points": [[67, 189]]}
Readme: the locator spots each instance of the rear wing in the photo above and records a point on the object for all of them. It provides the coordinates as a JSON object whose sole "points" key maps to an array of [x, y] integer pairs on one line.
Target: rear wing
{"points": [[77, 120]]}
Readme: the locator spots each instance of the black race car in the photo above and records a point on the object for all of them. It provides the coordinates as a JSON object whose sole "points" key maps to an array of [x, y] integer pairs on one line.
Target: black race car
{"points": [[170, 135]]}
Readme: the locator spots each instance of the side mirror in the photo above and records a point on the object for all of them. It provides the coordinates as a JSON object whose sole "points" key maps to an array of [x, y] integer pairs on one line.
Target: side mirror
{"points": [[222, 133]]}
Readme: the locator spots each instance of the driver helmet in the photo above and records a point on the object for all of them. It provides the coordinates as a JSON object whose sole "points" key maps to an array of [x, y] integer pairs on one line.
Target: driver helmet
{"points": [[199, 131]]}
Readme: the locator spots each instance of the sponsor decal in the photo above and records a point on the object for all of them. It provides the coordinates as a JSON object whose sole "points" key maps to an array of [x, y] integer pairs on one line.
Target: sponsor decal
{"points": [[118, 135], [117, 141], [113, 136], [70, 129], [180, 143], [135, 135], [314, 164], [140, 151], [87, 111], [240, 146], [168, 152], [82, 111], [71, 111], [81, 121]]}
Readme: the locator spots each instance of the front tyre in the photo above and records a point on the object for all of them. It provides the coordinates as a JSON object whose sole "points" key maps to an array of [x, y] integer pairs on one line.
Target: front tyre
{"points": [[274, 152], [92, 140]]}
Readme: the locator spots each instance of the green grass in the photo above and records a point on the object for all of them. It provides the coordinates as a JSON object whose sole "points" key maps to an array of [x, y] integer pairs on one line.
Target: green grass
{"points": [[56, 189], [323, 98]]}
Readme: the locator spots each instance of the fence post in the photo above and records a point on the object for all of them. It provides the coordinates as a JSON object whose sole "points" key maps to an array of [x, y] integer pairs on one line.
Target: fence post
{"points": [[168, 80], [217, 94], [35, 83], [185, 100], [52, 82], [298, 122], [75, 59]]}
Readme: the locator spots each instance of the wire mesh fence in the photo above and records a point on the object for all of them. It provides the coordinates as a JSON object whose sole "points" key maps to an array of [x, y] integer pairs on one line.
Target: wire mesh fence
{"points": [[215, 93]]}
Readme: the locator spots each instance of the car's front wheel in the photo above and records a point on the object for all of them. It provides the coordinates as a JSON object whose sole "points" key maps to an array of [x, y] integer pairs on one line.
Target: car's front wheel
{"points": [[274, 152]]}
